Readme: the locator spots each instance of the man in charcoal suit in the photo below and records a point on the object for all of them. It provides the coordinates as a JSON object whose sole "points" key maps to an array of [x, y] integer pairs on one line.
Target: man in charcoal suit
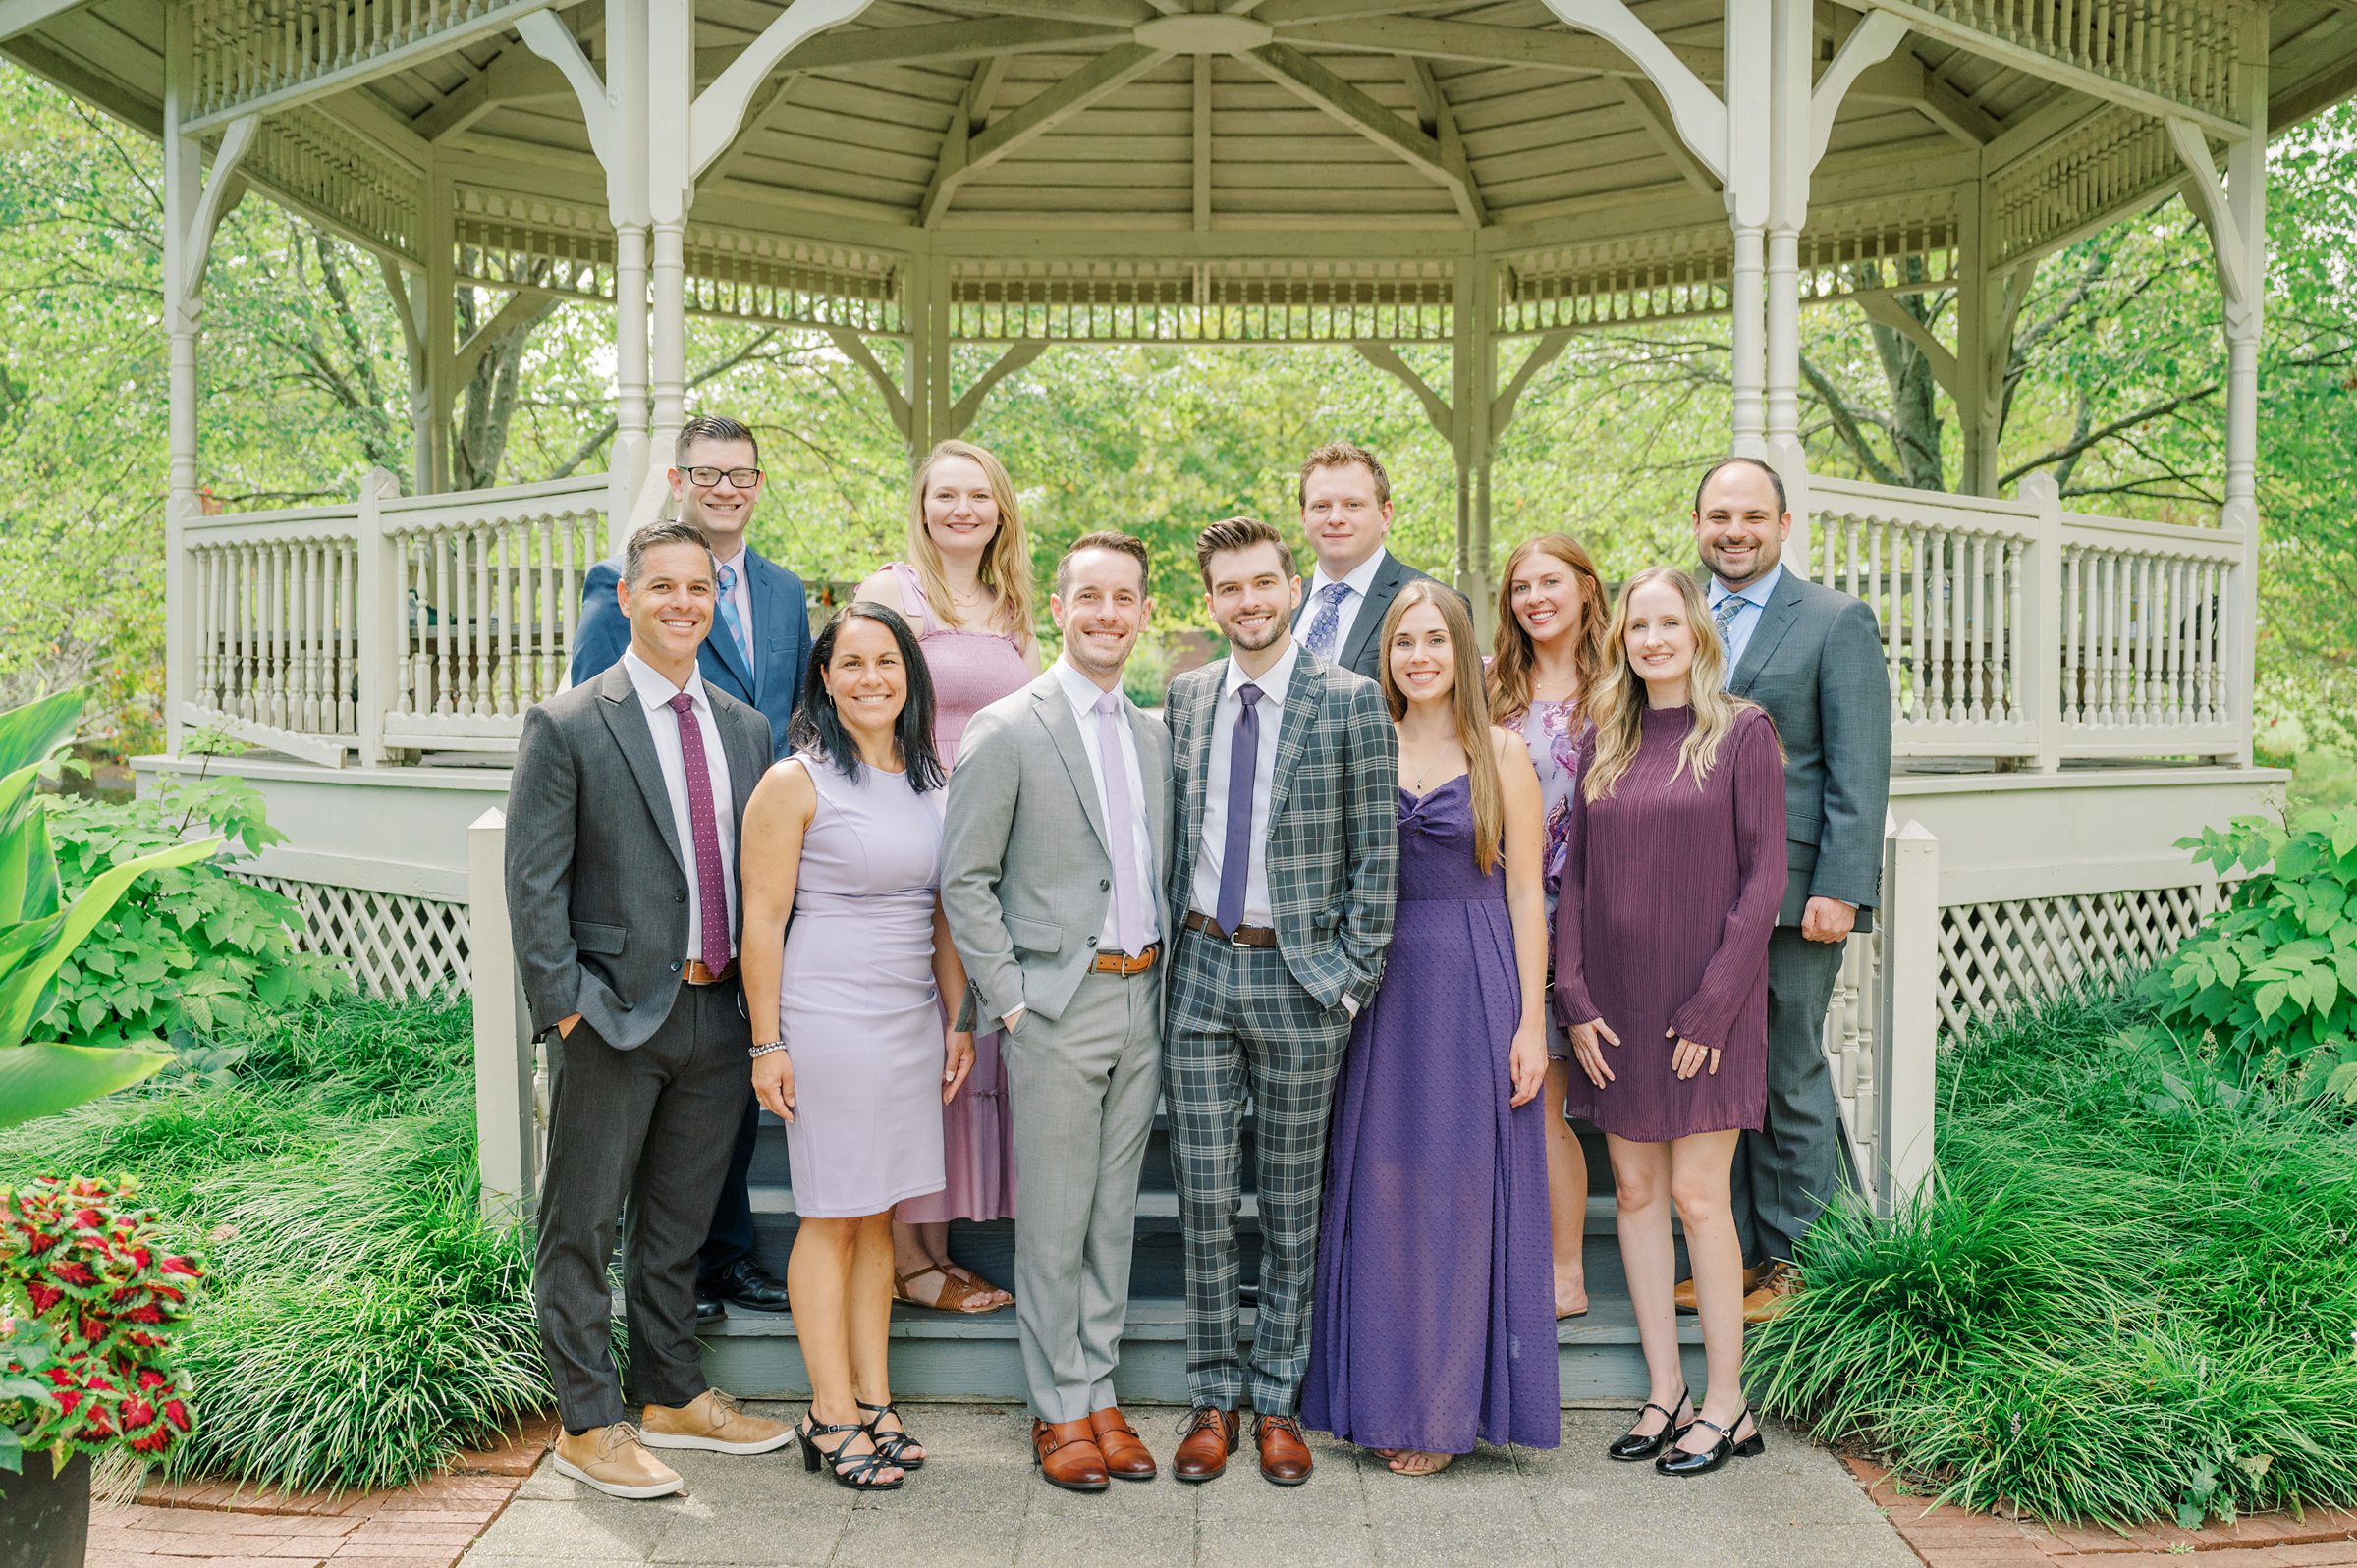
{"points": [[756, 653], [1053, 858], [1285, 777], [1346, 501], [1811, 656], [623, 815]]}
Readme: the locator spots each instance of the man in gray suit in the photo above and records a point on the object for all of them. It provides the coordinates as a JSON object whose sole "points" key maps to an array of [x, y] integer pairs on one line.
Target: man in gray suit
{"points": [[1053, 857], [1286, 771], [1811, 656], [1346, 501], [623, 815]]}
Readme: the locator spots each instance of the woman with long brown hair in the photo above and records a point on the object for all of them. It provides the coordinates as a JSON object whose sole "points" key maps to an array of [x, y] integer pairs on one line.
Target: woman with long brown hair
{"points": [[966, 587], [1433, 1239], [1675, 870], [1547, 654]]}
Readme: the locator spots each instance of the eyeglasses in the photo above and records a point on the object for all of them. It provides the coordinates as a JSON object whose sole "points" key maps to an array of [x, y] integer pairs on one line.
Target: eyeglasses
{"points": [[742, 478]]}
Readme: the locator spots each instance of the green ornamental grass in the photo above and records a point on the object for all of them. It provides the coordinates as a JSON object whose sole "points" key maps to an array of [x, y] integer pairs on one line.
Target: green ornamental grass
{"points": [[2130, 1293]]}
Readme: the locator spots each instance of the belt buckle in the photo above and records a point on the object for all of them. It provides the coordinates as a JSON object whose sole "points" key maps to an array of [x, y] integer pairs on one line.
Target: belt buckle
{"points": [[1236, 938]]}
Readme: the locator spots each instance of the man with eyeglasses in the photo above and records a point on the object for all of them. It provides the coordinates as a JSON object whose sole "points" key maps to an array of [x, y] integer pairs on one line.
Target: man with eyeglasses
{"points": [[758, 647]]}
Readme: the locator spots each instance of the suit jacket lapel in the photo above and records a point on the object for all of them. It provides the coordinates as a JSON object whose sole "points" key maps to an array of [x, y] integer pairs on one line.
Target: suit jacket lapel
{"points": [[1301, 701], [1369, 624], [1055, 711], [1775, 618], [724, 645], [773, 627], [1198, 723], [625, 717]]}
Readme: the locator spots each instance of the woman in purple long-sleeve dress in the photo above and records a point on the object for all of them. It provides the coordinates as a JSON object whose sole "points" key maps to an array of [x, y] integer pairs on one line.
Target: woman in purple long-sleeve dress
{"points": [[1674, 869]]}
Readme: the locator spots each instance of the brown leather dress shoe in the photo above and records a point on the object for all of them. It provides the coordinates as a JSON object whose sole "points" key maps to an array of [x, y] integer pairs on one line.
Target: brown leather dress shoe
{"points": [[1283, 1456], [1203, 1451], [1067, 1455], [1127, 1457], [1686, 1301], [1776, 1292]]}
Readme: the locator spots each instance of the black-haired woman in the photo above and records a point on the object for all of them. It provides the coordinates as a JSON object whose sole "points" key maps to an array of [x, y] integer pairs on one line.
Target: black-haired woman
{"points": [[848, 1044]]}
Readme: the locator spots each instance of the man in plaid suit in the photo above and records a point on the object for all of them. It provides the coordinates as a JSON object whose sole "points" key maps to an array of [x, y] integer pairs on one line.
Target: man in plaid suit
{"points": [[1285, 773]]}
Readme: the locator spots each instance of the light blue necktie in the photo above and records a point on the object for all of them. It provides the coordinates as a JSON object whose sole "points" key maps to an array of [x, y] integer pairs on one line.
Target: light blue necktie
{"points": [[1328, 620], [1724, 612], [731, 619]]}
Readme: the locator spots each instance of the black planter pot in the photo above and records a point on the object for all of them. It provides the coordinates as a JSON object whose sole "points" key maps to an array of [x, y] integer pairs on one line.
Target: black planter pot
{"points": [[45, 1516]]}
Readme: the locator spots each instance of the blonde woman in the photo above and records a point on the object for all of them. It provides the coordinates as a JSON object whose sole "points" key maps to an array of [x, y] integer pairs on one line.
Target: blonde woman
{"points": [[1552, 614], [966, 587], [1432, 1251], [1675, 870]]}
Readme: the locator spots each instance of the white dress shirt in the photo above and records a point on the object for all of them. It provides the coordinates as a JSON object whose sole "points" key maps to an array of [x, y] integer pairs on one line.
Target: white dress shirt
{"points": [[655, 692], [1085, 694], [1272, 686], [1359, 579], [1746, 621]]}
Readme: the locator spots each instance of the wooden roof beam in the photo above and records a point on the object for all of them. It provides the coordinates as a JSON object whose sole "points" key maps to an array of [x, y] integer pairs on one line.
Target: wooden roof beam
{"points": [[1906, 81], [23, 16], [965, 152], [513, 75], [1480, 44], [1464, 189], [1644, 100], [1320, 88]]}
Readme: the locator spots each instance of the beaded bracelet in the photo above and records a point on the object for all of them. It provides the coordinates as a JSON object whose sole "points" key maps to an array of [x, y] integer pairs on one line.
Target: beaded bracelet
{"points": [[763, 1051]]}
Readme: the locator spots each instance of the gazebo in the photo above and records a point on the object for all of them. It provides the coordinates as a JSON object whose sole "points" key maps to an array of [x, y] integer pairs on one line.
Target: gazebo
{"points": [[2071, 691]]}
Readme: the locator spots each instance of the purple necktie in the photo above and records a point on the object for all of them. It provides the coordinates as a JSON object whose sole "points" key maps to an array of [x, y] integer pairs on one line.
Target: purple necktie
{"points": [[711, 887], [1328, 620], [1129, 911], [1236, 858]]}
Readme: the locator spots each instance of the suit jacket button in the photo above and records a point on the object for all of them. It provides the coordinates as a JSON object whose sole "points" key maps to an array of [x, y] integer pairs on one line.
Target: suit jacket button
{"points": [[1092, 942], [678, 897], [1102, 885], [675, 966]]}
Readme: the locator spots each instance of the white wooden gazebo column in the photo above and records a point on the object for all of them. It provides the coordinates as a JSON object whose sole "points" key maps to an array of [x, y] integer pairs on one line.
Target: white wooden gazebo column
{"points": [[1472, 440]]}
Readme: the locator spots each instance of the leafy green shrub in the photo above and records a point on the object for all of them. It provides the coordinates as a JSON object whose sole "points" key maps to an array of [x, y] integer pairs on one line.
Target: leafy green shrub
{"points": [[189, 950], [361, 1323], [2271, 980], [2121, 1298]]}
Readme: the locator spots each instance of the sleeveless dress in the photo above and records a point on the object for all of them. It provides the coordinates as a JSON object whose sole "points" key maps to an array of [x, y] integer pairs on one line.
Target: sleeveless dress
{"points": [[1434, 1318], [970, 670], [1669, 894], [858, 1006]]}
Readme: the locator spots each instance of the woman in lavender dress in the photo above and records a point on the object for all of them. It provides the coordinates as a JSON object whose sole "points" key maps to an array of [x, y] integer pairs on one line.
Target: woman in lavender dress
{"points": [[1674, 873], [1548, 652], [1433, 1328], [966, 587]]}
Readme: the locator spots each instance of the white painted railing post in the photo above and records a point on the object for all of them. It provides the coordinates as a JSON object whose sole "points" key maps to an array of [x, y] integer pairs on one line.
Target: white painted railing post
{"points": [[1909, 1026], [505, 1130], [2042, 608], [379, 621]]}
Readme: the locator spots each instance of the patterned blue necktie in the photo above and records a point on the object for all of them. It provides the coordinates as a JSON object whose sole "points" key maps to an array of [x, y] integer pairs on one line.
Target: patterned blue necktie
{"points": [[1328, 620], [1724, 612], [731, 619]]}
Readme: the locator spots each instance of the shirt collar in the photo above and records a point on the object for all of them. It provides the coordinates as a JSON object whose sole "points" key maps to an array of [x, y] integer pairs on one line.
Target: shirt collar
{"points": [[1082, 692], [655, 689], [1360, 578], [1272, 683], [1756, 594]]}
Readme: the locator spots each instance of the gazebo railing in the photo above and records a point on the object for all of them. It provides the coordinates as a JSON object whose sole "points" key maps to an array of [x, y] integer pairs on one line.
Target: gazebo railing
{"points": [[386, 623], [2015, 629]]}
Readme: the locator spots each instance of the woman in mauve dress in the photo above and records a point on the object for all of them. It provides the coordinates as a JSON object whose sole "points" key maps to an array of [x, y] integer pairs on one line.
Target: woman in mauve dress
{"points": [[966, 587], [1675, 870], [1548, 652], [1434, 1327]]}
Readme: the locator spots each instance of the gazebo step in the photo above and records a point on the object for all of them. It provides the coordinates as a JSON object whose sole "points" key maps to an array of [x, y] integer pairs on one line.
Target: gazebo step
{"points": [[1156, 1210]]}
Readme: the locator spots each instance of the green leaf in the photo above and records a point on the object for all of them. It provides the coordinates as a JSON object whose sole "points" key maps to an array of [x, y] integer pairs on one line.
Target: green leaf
{"points": [[22, 984], [2271, 997], [39, 1080]]}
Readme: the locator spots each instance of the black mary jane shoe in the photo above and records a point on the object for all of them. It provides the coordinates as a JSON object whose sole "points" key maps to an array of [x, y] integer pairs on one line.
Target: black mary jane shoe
{"points": [[1632, 1446], [1685, 1462]]}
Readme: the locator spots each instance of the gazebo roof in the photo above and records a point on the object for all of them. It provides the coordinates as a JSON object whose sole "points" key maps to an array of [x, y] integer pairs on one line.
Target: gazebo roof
{"points": [[1290, 170]]}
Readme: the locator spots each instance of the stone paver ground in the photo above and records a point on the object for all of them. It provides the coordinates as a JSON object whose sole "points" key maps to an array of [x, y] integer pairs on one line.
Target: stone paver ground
{"points": [[979, 1505]]}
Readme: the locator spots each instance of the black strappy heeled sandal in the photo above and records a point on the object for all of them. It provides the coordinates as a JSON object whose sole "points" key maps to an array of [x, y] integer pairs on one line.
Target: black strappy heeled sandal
{"points": [[1632, 1446], [1686, 1462], [856, 1470], [892, 1445]]}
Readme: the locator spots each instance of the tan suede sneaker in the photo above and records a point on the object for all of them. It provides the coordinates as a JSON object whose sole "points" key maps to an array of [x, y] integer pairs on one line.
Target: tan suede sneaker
{"points": [[614, 1461], [711, 1421]]}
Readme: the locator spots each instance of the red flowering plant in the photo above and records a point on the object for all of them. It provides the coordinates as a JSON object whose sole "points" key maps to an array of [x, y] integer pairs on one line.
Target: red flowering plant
{"points": [[88, 1299]]}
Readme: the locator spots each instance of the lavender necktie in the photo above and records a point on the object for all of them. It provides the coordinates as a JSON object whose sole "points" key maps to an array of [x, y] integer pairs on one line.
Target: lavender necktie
{"points": [[1128, 911], [711, 887], [1328, 620], [1236, 855]]}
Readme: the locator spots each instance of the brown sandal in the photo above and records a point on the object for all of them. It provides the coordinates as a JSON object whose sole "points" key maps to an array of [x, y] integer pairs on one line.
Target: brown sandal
{"points": [[953, 1296]]}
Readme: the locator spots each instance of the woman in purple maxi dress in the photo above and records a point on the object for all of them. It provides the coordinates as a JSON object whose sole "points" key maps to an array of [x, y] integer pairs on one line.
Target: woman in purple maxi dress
{"points": [[1433, 1323]]}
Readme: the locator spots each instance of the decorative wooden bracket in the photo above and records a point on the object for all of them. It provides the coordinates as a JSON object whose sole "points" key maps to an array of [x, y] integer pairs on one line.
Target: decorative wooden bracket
{"points": [[1887, 312], [720, 108], [1386, 359], [554, 42], [1697, 112], [223, 188], [1871, 42], [2207, 193]]}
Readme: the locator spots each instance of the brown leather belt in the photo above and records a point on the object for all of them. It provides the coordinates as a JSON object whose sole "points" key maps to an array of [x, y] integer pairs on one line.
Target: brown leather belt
{"points": [[1123, 965], [698, 973], [1243, 937]]}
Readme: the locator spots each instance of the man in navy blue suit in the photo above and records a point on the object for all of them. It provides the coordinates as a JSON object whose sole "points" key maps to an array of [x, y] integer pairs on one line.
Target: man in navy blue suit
{"points": [[758, 650]]}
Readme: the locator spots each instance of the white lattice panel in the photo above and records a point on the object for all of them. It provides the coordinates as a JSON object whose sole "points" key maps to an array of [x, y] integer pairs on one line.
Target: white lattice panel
{"points": [[1994, 955], [394, 944]]}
